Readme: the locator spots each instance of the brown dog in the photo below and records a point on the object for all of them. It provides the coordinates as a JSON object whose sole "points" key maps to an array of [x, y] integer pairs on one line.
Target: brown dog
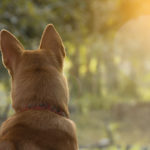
{"points": [[39, 96]]}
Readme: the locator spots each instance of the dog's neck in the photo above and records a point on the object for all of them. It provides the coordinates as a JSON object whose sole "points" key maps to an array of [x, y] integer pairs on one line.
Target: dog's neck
{"points": [[42, 107], [38, 91]]}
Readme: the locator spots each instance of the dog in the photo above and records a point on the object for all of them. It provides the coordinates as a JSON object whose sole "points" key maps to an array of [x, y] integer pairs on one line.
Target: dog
{"points": [[39, 94]]}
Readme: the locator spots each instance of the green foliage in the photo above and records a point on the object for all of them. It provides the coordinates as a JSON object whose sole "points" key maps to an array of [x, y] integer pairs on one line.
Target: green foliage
{"points": [[93, 67]]}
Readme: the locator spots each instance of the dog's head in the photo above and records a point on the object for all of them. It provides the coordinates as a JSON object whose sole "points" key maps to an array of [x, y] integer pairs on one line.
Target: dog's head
{"points": [[37, 75]]}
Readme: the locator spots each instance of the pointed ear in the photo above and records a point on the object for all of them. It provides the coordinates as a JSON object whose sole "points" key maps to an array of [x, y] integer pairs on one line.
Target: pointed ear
{"points": [[51, 41], [11, 49]]}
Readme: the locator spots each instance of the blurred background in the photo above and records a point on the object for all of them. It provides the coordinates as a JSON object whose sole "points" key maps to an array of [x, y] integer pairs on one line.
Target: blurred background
{"points": [[107, 64]]}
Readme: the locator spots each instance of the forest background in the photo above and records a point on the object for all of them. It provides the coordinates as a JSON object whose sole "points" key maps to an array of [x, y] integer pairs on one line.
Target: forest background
{"points": [[107, 63]]}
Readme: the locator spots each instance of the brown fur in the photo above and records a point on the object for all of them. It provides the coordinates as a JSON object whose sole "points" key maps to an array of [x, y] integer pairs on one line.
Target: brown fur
{"points": [[37, 78]]}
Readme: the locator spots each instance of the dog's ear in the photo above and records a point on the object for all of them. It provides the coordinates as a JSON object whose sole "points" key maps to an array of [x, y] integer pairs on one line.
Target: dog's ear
{"points": [[51, 41], [11, 49]]}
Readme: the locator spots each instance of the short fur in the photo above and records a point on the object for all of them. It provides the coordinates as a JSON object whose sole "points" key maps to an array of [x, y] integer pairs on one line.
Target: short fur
{"points": [[37, 78]]}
